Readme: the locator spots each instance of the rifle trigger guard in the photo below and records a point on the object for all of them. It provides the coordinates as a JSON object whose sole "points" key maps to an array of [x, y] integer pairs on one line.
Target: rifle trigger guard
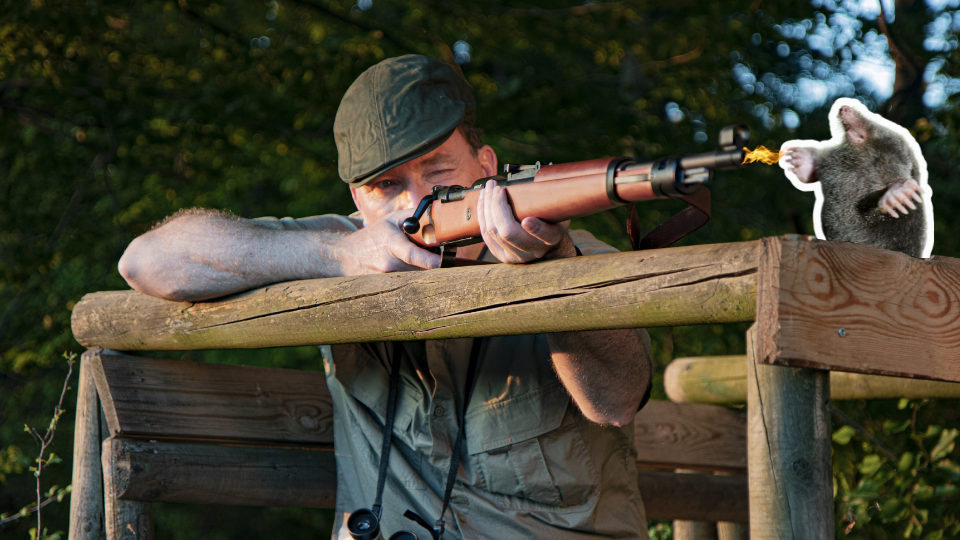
{"points": [[612, 169]]}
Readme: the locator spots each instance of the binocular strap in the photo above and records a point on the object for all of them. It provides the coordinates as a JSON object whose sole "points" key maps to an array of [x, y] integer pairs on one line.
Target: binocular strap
{"points": [[437, 529], [388, 425]]}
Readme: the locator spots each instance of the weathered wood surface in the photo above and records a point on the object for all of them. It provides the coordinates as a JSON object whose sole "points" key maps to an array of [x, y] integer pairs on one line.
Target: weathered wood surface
{"points": [[730, 530], [86, 499], [694, 530], [788, 449], [689, 436], [723, 379], [694, 497], [306, 478], [151, 398], [846, 307], [666, 287], [125, 520], [213, 474]]}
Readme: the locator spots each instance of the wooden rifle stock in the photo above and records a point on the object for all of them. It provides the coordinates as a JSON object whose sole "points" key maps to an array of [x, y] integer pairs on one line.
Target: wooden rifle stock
{"points": [[555, 193]]}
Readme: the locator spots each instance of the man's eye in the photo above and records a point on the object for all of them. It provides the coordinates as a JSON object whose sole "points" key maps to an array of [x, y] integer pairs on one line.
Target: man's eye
{"points": [[386, 184]]}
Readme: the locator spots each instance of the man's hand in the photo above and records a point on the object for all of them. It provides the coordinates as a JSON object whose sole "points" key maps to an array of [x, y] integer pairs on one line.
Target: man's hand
{"points": [[514, 242], [382, 247]]}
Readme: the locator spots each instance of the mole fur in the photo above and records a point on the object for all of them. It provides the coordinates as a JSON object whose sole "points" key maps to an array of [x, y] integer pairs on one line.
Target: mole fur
{"points": [[866, 160]]}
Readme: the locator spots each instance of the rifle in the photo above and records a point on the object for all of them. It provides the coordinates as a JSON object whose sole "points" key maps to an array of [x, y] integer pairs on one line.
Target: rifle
{"points": [[445, 219]]}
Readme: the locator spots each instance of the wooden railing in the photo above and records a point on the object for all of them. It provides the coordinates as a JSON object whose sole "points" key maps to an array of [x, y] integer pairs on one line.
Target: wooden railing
{"points": [[818, 306]]}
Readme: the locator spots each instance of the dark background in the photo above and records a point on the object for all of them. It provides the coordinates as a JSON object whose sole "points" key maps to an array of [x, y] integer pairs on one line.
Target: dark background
{"points": [[116, 114]]}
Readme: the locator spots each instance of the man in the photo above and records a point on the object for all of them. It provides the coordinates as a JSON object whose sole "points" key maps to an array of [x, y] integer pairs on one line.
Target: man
{"points": [[548, 432]]}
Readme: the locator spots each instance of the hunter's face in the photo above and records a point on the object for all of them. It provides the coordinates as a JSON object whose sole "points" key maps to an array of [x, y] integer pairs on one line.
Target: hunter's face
{"points": [[400, 188]]}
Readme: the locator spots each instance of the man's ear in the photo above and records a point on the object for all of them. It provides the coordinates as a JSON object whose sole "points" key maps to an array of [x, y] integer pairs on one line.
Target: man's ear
{"points": [[488, 160]]}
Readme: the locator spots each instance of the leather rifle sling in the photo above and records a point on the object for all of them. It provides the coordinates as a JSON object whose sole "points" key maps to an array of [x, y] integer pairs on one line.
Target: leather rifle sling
{"points": [[679, 225]]}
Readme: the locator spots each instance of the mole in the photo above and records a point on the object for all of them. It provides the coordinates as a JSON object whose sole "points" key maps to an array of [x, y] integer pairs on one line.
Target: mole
{"points": [[870, 181]]}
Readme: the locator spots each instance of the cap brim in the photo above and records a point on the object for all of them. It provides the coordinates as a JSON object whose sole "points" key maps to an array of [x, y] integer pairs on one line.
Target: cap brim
{"points": [[426, 149]]}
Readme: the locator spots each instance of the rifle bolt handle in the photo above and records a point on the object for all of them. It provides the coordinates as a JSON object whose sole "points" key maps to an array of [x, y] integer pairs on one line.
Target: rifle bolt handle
{"points": [[411, 225]]}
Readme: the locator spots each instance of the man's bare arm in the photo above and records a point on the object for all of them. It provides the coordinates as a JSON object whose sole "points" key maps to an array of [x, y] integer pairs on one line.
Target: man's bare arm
{"points": [[202, 255], [606, 372]]}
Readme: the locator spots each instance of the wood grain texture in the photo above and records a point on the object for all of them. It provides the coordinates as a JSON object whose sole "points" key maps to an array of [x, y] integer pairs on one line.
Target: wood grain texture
{"points": [[125, 520], [723, 379], [694, 497], [899, 315], [306, 478], [151, 398], [86, 499], [690, 436], [214, 474], [788, 449], [673, 286]]}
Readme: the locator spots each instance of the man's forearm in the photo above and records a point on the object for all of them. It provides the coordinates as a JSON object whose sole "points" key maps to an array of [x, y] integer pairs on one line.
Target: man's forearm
{"points": [[606, 372], [197, 257]]}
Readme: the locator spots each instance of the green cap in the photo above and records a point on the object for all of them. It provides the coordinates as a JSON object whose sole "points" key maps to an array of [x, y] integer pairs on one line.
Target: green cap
{"points": [[396, 111]]}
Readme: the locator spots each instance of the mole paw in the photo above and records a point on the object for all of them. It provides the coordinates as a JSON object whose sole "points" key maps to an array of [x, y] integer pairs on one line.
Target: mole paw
{"points": [[900, 196], [802, 162]]}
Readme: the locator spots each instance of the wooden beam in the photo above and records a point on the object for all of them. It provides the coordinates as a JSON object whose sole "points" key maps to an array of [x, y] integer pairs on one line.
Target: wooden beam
{"points": [[687, 436], [306, 478], [86, 498], [125, 520], [788, 449], [152, 398], [666, 287], [694, 497], [723, 379], [212, 474], [847, 307]]}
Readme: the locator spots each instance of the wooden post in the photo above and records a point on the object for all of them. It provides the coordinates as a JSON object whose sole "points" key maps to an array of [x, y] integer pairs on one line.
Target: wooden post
{"points": [[693, 530], [788, 450], [730, 530], [125, 520], [86, 501]]}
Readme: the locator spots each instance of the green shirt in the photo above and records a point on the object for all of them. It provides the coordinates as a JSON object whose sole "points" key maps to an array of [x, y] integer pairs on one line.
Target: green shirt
{"points": [[532, 465]]}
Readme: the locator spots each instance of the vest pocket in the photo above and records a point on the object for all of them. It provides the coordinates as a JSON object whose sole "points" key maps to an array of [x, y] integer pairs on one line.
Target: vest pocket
{"points": [[530, 453]]}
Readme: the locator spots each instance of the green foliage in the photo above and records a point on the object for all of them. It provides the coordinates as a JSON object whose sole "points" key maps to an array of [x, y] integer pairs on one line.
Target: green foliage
{"points": [[914, 497], [114, 115]]}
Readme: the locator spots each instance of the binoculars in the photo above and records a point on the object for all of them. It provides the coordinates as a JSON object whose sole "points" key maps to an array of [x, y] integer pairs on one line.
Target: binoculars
{"points": [[365, 525]]}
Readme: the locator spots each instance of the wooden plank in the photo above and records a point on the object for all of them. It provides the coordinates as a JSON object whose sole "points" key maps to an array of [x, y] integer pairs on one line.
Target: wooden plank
{"points": [[212, 474], [846, 307], [723, 379], [666, 287], [689, 436], [306, 478], [86, 499], [151, 398], [125, 520], [694, 497], [788, 449]]}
